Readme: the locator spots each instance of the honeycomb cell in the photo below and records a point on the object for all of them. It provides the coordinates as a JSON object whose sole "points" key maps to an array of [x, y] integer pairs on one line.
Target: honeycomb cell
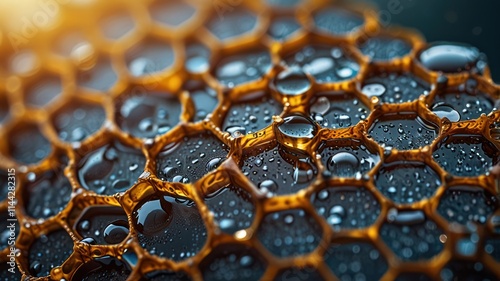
{"points": [[243, 68], [327, 64], [251, 114], [189, 159], [169, 227], [166, 276], [204, 98], [346, 207], [411, 236], [43, 90], [406, 182], [148, 115], [104, 268], [283, 28], [233, 262], [337, 109], [48, 251], [197, 58], [337, 21], [299, 274], [355, 261], [77, 120], [492, 247], [451, 57], [348, 160], [149, 57], [385, 48], [8, 273], [99, 77], [466, 155], [117, 25], [9, 230], [233, 208], [276, 171], [171, 13], [463, 204], [103, 224], [395, 87], [111, 168], [289, 233], [229, 26], [46, 195], [27, 144], [403, 131], [412, 276], [466, 270]]}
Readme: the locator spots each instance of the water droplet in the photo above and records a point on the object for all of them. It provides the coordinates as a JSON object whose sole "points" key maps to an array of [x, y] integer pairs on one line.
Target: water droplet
{"points": [[292, 82], [116, 231], [449, 57], [344, 164], [373, 90], [297, 127]]}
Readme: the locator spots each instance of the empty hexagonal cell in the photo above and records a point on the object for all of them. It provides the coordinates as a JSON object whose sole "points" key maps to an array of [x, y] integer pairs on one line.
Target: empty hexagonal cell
{"points": [[165, 275], [348, 160], [449, 57], [103, 268], [251, 114], [277, 171], [492, 247], [171, 13], [385, 48], [463, 204], [149, 57], [43, 90], [4, 107], [231, 25], [197, 58], [325, 64], [170, 227], [346, 207], [103, 224], [27, 144], [189, 159], [466, 270], [337, 110], [465, 102], [411, 236], [48, 251], [282, 28], [9, 228], [233, 208], [299, 274], [407, 182], [100, 77], [289, 233], [412, 276], [111, 168], [395, 87], [233, 262], [337, 21], [47, 194], [148, 115], [466, 155], [355, 261], [242, 68], [78, 120], [204, 98], [403, 131], [116, 25]]}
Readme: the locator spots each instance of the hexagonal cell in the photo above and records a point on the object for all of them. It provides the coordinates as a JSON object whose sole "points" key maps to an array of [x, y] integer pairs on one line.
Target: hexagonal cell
{"points": [[346, 207], [77, 120], [395, 87], [412, 276], [465, 102], [233, 208], [27, 144], [189, 159], [325, 64], [204, 98], [169, 227], [403, 131], [492, 247], [197, 58], [466, 270], [463, 204], [351, 159], [233, 262], [171, 13], [406, 182], [100, 77], [385, 48], [299, 274], [451, 57], [277, 171], [43, 90], [5, 274], [242, 68], [337, 21], [231, 26], [116, 25], [337, 109], [6, 228], [289, 233], [282, 28], [48, 251], [251, 114], [4, 107], [103, 224], [411, 236], [466, 155], [111, 168], [47, 194], [149, 57], [166, 276], [355, 261], [103, 268]]}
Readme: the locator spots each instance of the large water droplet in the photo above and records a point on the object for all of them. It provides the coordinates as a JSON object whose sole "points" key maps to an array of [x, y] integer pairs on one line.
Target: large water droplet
{"points": [[292, 82], [373, 90], [443, 110], [344, 164], [449, 57], [297, 127]]}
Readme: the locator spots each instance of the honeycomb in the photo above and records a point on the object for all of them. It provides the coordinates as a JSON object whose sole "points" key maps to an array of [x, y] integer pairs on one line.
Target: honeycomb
{"points": [[245, 140]]}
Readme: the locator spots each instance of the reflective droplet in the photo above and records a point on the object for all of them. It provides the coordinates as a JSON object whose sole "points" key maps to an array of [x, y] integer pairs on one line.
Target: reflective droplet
{"points": [[373, 90], [116, 231], [344, 164], [292, 82], [297, 127], [449, 57], [443, 110]]}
